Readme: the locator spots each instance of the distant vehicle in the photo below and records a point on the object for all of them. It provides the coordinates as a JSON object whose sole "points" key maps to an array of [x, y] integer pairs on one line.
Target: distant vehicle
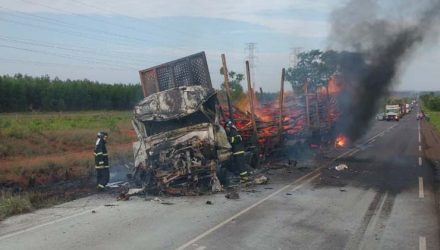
{"points": [[393, 112], [380, 116], [407, 108]]}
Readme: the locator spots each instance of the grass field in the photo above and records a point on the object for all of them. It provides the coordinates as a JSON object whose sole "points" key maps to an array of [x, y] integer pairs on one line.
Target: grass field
{"points": [[36, 134], [42, 149], [434, 118]]}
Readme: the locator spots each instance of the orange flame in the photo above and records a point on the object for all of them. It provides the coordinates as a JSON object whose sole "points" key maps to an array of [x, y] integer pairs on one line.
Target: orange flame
{"points": [[341, 141], [333, 86]]}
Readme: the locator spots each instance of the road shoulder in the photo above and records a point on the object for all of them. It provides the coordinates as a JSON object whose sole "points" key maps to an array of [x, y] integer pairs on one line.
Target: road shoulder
{"points": [[431, 153]]}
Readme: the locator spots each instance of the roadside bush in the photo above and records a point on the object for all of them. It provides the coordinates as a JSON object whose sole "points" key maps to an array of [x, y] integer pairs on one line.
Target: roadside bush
{"points": [[431, 101], [14, 204]]}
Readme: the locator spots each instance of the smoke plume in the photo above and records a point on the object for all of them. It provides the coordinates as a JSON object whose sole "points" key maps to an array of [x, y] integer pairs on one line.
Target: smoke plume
{"points": [[378, 37]]}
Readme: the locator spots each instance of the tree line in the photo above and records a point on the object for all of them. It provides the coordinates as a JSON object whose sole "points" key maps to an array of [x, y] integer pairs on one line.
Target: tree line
{"points": [[431, 101], [26, 93]]}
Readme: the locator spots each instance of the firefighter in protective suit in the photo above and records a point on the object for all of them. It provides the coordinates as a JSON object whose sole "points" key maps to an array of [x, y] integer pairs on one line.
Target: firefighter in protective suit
{"points": [[238, 161], [101, 161]]}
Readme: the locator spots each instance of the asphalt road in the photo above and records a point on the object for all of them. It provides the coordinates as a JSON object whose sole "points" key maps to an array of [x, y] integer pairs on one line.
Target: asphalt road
{"points": [[384, 200]]}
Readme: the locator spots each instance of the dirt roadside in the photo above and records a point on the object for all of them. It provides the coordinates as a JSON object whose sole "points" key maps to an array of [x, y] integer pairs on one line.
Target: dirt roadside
{"points": [[431, 153]]}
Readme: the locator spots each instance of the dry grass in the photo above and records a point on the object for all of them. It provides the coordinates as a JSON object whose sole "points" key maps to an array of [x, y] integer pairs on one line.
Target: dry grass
{"points": [[14, 204], [24, 135], [50, 151]]}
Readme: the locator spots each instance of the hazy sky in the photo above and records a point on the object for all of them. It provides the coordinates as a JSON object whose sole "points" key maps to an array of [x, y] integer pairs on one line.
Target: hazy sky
{"points": [[110, 41]]}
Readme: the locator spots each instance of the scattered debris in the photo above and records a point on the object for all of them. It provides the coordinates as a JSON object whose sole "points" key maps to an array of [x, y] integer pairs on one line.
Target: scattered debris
{"points": [[157, 199], [341, 167], [260, 180], [233, 195], [123, 197], [288, 194], [251, 191], [342, 190], [292, 163], [209, 202], [93, 211], [116, 184], [110, 205], [268, 187]]}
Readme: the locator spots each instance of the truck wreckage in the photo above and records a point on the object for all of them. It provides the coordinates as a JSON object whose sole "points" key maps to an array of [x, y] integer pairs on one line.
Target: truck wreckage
{"points": [[181, 143], [182, 147]]}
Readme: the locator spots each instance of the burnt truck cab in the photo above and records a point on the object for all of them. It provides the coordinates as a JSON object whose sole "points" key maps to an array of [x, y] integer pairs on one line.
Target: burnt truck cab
{"points": [[181, 143]]}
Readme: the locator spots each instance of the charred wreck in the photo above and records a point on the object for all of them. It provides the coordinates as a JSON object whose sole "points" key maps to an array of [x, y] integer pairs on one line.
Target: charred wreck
{"points": [[181, 145]]}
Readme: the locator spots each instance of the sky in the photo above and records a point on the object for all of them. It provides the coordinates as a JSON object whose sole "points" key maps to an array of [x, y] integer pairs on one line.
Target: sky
{"points": [[110, 41]]}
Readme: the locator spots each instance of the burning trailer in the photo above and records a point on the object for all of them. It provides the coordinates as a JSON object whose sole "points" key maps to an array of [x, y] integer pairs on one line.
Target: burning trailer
{"points": [[290, 122], [181, 145]]}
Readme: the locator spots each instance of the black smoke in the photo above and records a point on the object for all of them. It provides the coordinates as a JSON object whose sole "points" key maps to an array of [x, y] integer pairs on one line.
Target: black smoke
{"points": [[378, 38]]}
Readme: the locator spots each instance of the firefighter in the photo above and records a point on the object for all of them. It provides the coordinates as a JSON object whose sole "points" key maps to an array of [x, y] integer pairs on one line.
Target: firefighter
{"points": [[101, 161], [238, 161]]}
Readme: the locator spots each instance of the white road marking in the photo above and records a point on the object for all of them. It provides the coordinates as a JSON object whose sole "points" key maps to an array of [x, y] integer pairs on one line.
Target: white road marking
{"points": [[46, 224], [422, 243], [420, 138], [420, 148], [421, 192], [221, 224], [420, 161], [201, 248]]}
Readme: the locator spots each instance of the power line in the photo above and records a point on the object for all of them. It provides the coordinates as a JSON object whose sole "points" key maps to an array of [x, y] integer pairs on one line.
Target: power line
{"points": [[51, 64], [82, 59], [71, 49], [191, 35], [101, 21], [74, 27]]}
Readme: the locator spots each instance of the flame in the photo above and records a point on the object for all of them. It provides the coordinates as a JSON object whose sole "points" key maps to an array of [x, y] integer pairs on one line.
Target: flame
{"points": [[333, 86], [264, 114], [294, 114], [341, 140]]}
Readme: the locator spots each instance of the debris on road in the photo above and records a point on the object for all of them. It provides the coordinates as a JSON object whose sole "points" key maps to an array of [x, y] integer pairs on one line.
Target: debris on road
{"points": [[260, 180], [233, 195], [134, 191], [123, 197], [341, 167], [209, 203]]}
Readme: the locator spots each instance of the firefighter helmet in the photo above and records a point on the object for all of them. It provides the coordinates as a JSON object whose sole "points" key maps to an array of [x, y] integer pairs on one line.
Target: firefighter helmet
{"points": [[102, 134]]}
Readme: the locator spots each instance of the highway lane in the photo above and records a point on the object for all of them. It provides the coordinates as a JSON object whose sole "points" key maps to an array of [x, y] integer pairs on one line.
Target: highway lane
{"points": [[375, 204]]}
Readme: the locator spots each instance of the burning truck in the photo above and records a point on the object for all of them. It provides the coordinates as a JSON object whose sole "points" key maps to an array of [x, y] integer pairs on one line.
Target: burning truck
{"points": [[181, 144], [182, 147]]}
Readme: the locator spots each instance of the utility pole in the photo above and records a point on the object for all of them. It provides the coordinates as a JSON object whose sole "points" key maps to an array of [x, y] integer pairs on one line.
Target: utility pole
{"points": [[250, 49], [280, 125], [228, 90], [251, 99]]}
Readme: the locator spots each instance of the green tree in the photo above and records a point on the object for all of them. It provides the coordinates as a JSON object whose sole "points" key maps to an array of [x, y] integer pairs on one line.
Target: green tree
{"points": [[235, 80], [314, 68]]}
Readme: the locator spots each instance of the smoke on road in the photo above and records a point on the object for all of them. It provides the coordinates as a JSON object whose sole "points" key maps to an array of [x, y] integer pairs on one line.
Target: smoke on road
{"points": [[378, 38]]}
